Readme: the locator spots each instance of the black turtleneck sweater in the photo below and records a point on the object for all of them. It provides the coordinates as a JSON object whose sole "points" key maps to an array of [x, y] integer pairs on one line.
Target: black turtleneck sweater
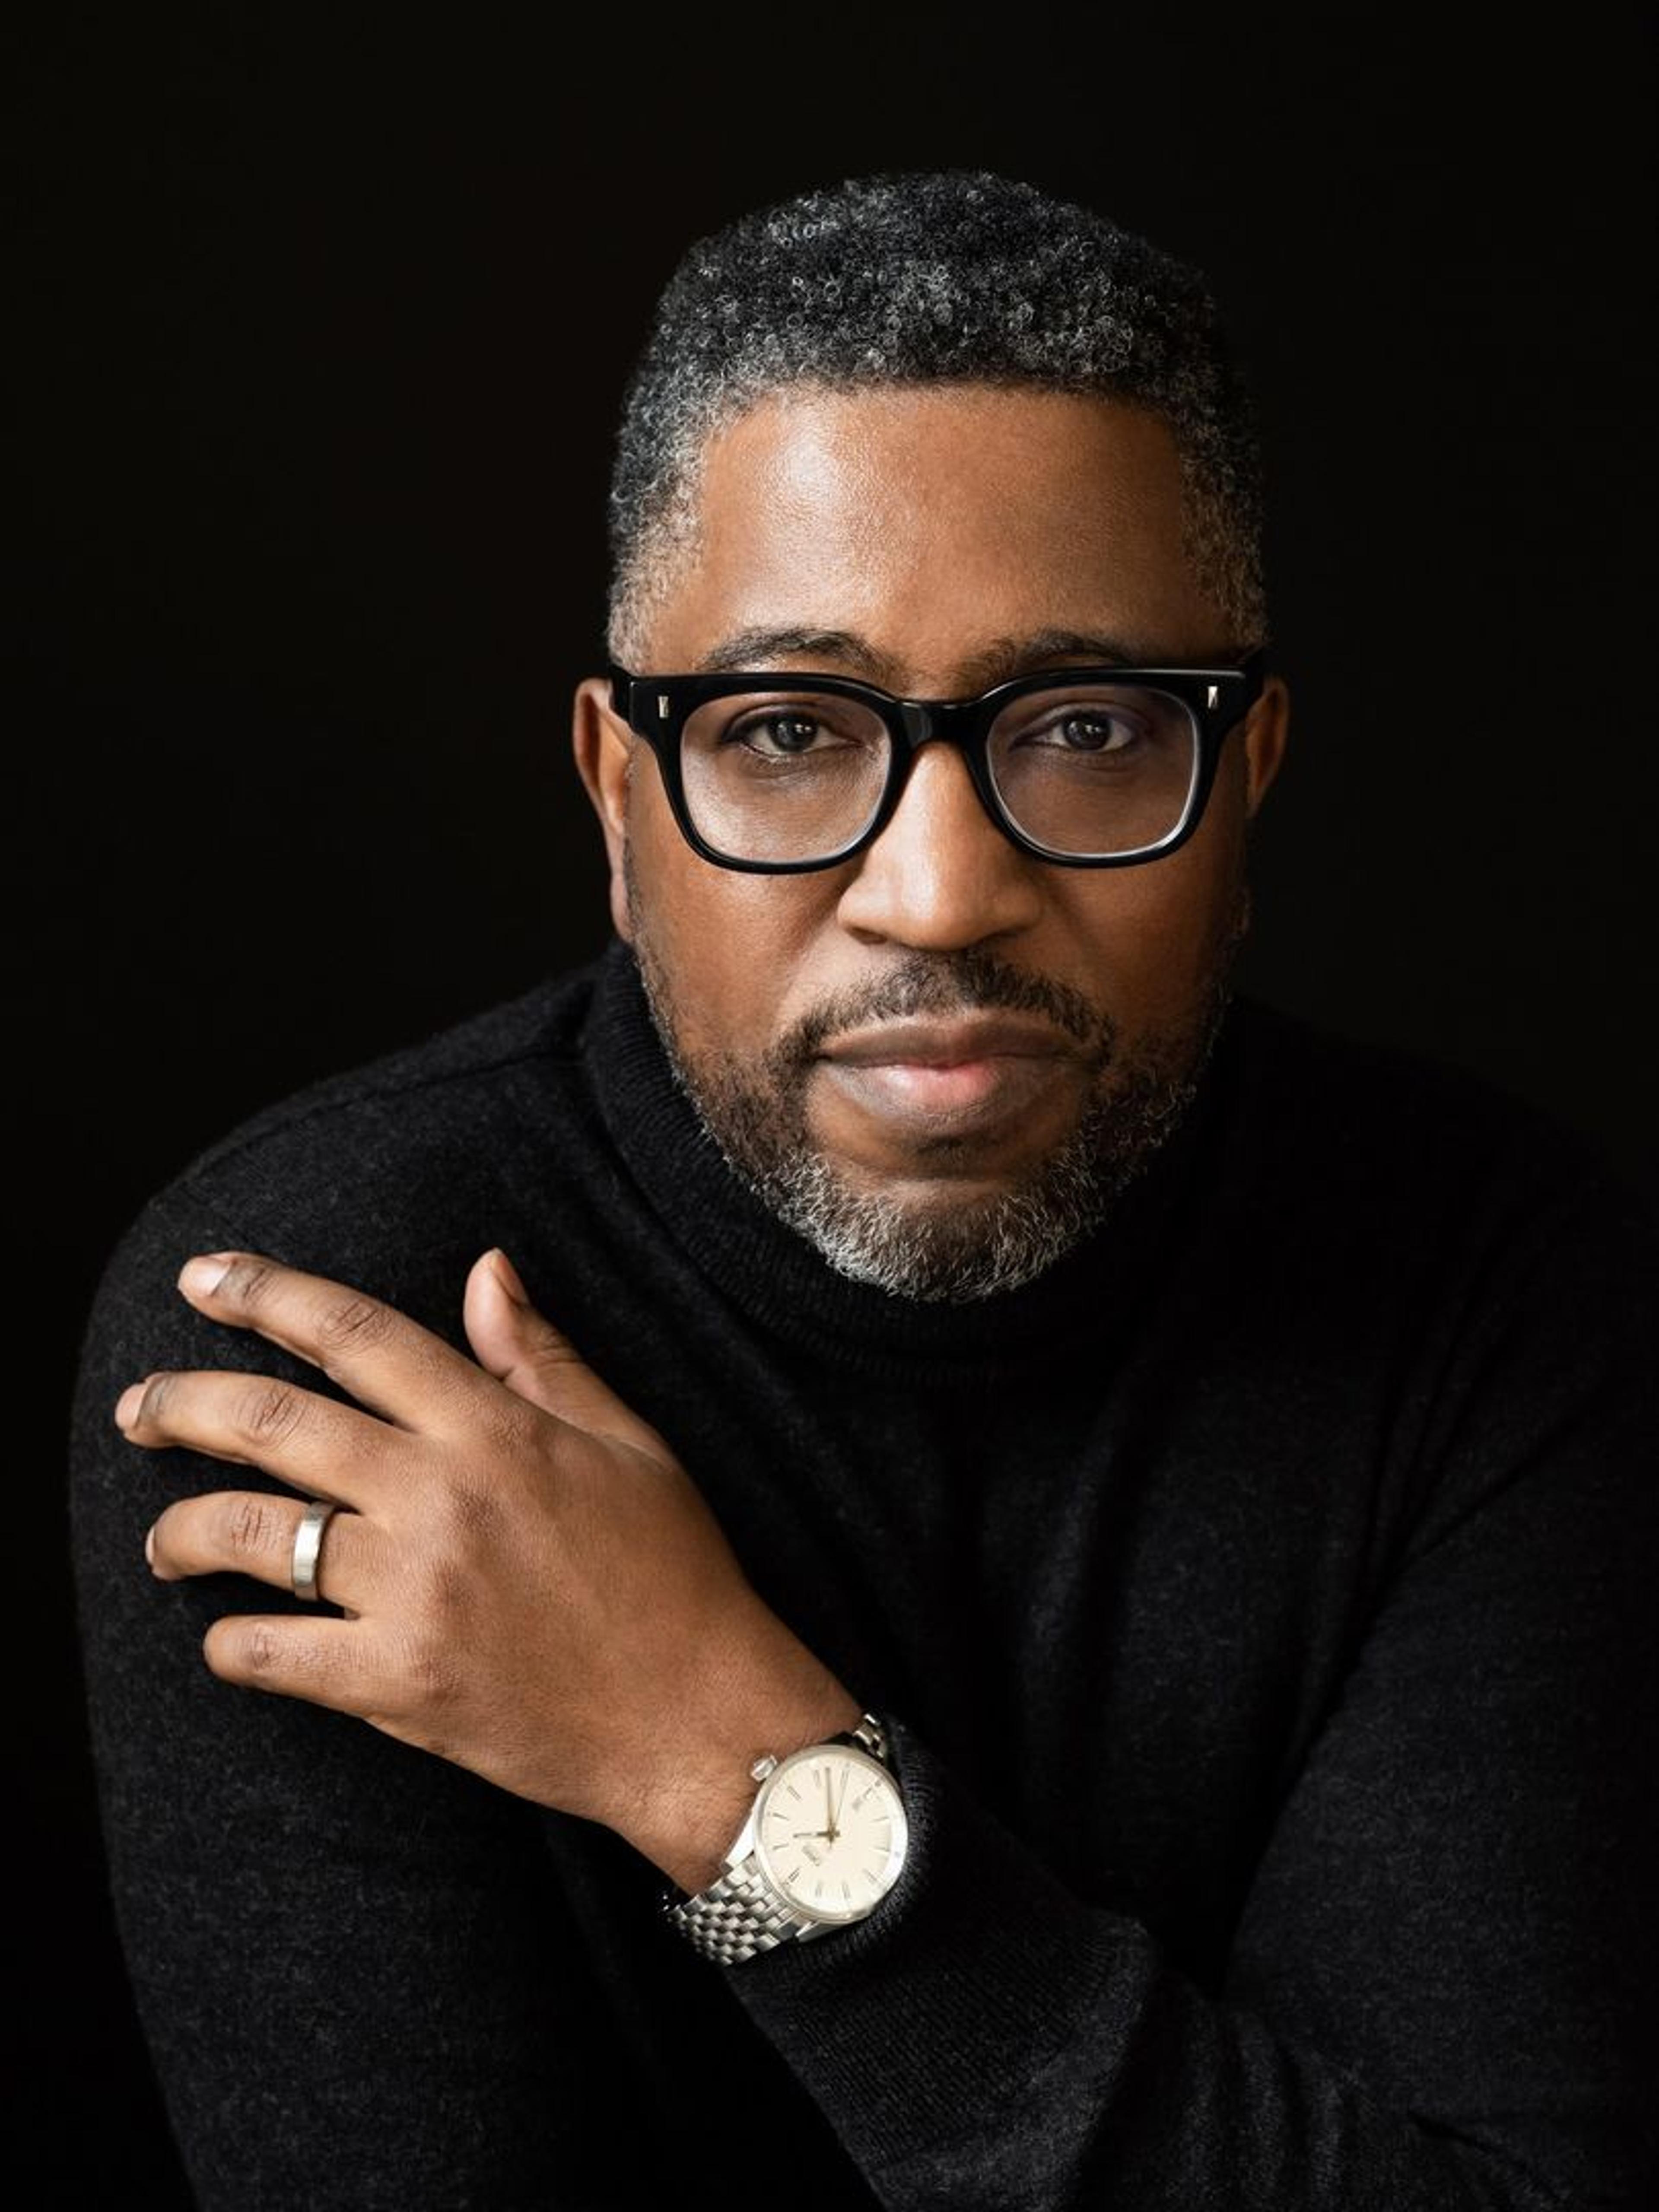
{"points": [[1260, 1603]]}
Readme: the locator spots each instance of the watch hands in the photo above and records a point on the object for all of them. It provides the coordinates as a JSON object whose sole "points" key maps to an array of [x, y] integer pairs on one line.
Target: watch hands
{"points": [[831, 1833]]}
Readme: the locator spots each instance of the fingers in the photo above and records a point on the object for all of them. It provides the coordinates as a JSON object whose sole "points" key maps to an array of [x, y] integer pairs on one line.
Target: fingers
{"points": [[338, 1664], [252, 1532], [326, 1661], [387, 1362], [538, 1363], [319, 1446]]}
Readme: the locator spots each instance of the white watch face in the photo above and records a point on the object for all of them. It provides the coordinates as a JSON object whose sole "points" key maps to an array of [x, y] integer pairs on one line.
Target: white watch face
{"points": [[831, 1832]]}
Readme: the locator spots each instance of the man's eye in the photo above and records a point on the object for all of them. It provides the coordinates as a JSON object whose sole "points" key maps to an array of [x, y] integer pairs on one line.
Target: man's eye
{"points": [[1089, 732], [777, 732], [790, 734]]}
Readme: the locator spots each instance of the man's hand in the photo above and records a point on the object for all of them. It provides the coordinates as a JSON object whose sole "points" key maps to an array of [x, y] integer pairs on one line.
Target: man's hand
{"points": [[532, 1586]]}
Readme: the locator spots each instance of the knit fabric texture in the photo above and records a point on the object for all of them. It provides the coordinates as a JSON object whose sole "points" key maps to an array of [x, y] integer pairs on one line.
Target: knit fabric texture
{"points": [[1260, 1603]]}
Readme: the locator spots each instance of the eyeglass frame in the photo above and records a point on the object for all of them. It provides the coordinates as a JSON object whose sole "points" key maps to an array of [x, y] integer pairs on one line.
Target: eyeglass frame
{"points": [[1220, 700]]}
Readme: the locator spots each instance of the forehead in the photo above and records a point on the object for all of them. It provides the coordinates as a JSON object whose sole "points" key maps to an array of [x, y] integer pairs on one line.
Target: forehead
{"points": [[932, 520]]}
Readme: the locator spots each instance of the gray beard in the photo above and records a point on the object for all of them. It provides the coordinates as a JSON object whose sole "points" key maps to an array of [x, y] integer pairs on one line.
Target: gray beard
{"points": [[755, 1112]]}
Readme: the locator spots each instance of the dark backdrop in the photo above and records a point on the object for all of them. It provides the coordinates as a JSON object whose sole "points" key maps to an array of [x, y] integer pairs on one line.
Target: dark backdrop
{"points": [[321, 342]]}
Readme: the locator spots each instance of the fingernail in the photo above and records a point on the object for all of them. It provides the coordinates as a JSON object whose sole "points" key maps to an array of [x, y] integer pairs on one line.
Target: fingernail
{"points": [[200, 1278], [127, 1404], [508, 1275], [149, 1543]]}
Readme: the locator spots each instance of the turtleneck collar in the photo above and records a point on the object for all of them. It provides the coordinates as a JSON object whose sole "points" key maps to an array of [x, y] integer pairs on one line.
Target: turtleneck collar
{"points": [[781, 1280]]}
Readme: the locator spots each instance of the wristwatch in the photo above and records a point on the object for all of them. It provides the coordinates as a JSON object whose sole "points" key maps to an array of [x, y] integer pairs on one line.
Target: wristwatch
{"points": [[823, 1843]]}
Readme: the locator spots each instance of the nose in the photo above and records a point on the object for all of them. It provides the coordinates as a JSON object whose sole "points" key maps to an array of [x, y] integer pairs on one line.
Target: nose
{"points": [[941, 875]]}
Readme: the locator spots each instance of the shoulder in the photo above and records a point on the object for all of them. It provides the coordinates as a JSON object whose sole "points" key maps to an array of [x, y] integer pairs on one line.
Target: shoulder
{"points": [[1379, 1126], [1387, 1189], [384, 1174], [421, 1087], [1436, 1289]]}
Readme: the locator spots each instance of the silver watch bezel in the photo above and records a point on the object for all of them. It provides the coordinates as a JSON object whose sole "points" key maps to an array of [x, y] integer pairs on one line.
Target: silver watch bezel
{"points": [[755, 1850]]}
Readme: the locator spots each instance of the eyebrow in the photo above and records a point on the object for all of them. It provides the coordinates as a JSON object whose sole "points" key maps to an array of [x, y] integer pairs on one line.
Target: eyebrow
{"points": [[1001, 659]]}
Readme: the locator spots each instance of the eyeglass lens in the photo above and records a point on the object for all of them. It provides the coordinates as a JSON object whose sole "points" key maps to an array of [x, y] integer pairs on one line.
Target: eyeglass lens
{"points": [[1089, 770]]}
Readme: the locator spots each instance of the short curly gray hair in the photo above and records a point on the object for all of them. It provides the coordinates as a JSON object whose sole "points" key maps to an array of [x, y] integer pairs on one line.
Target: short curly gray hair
{"points": [[947, 276]]}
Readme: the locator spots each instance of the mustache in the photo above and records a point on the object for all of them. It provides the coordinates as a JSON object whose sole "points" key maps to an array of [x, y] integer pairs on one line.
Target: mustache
{"points": [[969, 981]]}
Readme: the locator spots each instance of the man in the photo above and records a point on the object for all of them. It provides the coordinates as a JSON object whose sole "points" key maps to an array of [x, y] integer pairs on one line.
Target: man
{"points": [[979, 1579]]}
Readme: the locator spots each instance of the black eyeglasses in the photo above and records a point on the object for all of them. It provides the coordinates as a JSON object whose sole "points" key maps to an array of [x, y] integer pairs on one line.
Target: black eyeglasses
{"points": [[1091, 768]]}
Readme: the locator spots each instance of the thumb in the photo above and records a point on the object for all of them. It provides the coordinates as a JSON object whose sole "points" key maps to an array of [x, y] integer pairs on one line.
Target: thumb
{"points": [[538, 1362]]}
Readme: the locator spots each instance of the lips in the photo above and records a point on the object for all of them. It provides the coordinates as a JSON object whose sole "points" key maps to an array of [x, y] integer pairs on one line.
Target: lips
{"points": [[956, 1078], [947, 1043]]}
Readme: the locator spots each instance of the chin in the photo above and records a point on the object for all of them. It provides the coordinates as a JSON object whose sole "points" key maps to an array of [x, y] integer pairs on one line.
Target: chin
{"points": [[950, 1245], [957, 1238], [940, 1193]]}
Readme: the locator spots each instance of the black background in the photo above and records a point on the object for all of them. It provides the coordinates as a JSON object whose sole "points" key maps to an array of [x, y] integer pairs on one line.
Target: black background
{"points": [[319, 342]]}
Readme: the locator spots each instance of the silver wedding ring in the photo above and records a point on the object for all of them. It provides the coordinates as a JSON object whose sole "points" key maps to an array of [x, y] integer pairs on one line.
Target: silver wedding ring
{"points": [[307, 1545]]}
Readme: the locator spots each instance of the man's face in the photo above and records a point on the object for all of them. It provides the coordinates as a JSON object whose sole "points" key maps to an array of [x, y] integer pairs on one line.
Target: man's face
{"points": [[834, 1029]]}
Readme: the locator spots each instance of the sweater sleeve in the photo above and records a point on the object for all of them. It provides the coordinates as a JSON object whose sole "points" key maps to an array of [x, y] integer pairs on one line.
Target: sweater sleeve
{"points": [[1443, 1988], [357, 1981]]}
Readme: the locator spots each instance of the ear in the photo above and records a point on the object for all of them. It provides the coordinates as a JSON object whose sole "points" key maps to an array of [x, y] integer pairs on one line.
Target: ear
{"points": [[1266, 736], [602, 744]]}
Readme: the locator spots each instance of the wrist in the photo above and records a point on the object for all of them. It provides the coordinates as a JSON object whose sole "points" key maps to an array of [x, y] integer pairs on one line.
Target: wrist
{"points": [[821, 1846], [688, 1818]]}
